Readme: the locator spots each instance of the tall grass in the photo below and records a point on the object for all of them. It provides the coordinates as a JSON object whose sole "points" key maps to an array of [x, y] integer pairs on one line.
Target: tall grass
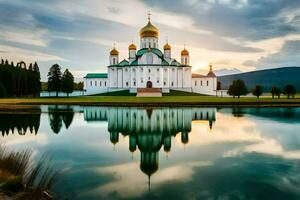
{"points": [[21, 178]]}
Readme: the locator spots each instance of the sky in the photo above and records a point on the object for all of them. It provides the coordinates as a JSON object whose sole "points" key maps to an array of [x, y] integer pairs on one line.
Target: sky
{"points": [[78, 34]]}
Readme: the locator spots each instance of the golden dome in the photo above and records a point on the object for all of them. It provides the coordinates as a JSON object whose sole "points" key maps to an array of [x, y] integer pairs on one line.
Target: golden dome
{"points": [[149, 31], [114, 52], [167, 47], [184, 52], [132, 47]]}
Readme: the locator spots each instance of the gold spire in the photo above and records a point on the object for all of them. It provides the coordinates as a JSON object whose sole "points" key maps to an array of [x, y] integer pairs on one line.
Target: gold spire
{"points": [[132, 46], [149, 30], [185, 52], [114, 51]]}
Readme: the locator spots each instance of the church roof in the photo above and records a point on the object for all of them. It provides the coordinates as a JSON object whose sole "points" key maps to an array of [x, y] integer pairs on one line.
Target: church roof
{"points": [[175, 62], [146, 50], [124, 63], [96, 75], [197, 76]]}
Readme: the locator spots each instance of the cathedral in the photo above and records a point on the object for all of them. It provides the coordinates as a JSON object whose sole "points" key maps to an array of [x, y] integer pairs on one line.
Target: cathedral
{"points": [[148, 69]]}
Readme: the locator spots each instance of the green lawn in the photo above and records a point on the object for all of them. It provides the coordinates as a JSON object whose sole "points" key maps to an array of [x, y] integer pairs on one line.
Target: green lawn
{"points": [[165, 100]]}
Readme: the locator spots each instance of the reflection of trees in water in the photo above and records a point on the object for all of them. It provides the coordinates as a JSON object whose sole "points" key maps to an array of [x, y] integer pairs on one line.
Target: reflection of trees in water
{"points": [[59, 115], [290, 115], [21, 122]]}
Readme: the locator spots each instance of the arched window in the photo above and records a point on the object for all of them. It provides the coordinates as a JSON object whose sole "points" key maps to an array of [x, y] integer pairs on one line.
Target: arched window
{"points": [[149, 58], [114, 61], [100, 83], [207, 83], [91, 83], [195, 83]]}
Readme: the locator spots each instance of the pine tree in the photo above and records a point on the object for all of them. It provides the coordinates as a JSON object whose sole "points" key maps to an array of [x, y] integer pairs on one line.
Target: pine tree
{"points": [[37, 80], [67, 82], [54, 79]]}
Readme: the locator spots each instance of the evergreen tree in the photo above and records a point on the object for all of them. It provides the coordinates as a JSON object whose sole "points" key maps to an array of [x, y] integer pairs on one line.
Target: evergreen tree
{"points": [[67, 82], [237, 88], [54, 79], [257, 91], [289, 90], [37, 80], [2, 91]]}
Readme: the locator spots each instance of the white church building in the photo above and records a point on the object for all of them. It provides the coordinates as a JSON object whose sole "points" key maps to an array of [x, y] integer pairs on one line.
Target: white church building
{"points": [[148, 68]]}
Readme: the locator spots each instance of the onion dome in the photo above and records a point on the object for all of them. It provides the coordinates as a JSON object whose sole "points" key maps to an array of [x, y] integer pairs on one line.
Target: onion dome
{"points": [[132, 47], [211, 73], [167, 47], [184, 52], [114, 52], [149, 31]]}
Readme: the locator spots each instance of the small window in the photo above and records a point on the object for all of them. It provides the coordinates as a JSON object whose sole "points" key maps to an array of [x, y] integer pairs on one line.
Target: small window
{"points": [[172, 84], [157, 81], [126, 84], [126, 70], [105, 83], [201, 83], [142, 81], [165, 83], [133, 70], [100, 83], [149, 78], [157, 69], [173, 70], [134, 83], [149, 70], [95, 83], [207, 83], [195, 83], [91, 83]]}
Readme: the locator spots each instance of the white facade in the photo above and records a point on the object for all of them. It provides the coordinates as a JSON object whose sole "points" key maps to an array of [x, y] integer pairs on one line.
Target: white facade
{"points": [[149, 67]]}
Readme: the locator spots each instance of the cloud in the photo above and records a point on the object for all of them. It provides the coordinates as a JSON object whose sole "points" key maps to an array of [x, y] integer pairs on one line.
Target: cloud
{"points": [[228, 33]]}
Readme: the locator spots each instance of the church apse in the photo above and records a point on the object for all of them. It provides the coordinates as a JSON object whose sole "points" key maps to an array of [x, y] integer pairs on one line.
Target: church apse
{"points": [[149, 129]]}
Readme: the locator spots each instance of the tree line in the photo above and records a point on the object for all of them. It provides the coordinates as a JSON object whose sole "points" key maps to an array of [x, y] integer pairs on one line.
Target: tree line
{"points": [[60, 82], [238, 88], [19, 80]]}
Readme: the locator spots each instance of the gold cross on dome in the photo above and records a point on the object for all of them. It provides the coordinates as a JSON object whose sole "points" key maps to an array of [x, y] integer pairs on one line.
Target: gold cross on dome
{"points": [[149, 15]]}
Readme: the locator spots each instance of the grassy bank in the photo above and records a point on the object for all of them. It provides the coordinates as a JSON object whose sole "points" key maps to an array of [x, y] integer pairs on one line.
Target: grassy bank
{"points": [[153, 101]]}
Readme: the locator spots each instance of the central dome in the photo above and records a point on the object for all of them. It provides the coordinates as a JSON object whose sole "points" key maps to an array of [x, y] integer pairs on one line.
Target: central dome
{"points": [[149, 31]]}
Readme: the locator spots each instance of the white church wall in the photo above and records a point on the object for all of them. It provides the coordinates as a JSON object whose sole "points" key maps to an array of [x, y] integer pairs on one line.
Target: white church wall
{"points": [[133, 77], [112, 75], [120, 77], [205, 85], [95, 85], [149, 58], [126, 77]]}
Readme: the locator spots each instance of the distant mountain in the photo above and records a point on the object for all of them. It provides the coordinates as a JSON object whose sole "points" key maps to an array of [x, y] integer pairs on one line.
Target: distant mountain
{"points": [[224, 72], [267, 78]]}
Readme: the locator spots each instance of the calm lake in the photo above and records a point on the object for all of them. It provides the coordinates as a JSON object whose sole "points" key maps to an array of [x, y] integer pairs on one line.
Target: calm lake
{"points": [[164, 153]]}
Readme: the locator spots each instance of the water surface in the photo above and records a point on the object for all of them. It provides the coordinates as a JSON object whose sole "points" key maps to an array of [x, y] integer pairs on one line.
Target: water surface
{"points": [[164, 153]]}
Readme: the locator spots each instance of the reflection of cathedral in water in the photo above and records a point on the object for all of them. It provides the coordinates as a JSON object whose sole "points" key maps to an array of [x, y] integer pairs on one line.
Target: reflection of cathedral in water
{"points": [[150, 129]]}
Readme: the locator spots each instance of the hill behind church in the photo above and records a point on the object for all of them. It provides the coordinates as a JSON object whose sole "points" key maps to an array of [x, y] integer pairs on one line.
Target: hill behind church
{"points": [[267, 78]]}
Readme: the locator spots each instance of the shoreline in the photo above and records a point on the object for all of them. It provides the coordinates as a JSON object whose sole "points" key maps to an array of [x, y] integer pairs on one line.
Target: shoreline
{"points": [[125, 101]]}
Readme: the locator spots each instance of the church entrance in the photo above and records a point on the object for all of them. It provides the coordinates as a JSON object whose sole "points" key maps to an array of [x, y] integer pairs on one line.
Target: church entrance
{"points": [[149, 84]]}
